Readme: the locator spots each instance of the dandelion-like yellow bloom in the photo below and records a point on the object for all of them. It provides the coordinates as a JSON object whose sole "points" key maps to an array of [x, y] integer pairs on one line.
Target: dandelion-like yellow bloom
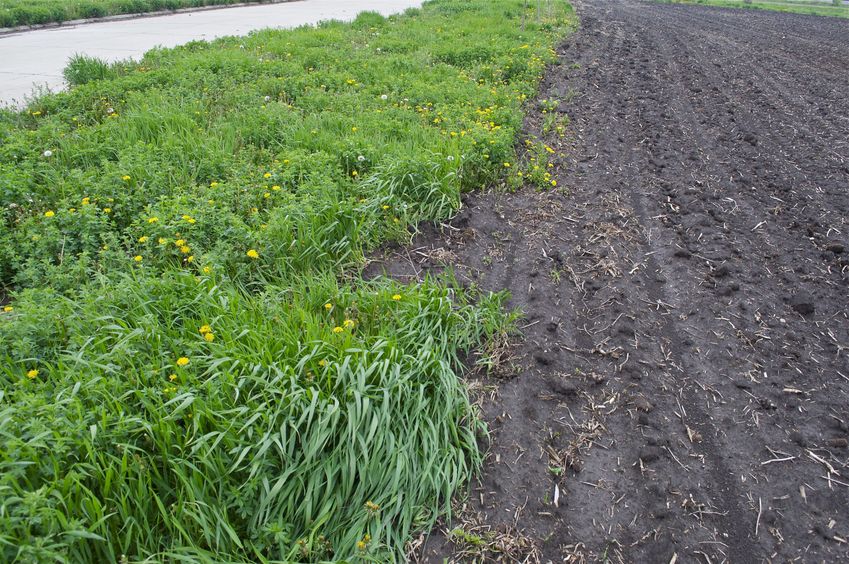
{"points": [[179, 242], [328, 306], [49, 213], [371, 506], [162, 240], [182, 361], [337, 329], [125, 178], [252, 253], [396, 297], [137, 258], [213, 184], [275, 188], [209, 337], [7, 309], [190, 258], [322, 363], [152, 219], [107, 210], [349, 323], [207, 270], [173, 377], [205, 329], [385, 207], [354, 173], [32, 373], [185, 249], [361, 545], [267, 175]]}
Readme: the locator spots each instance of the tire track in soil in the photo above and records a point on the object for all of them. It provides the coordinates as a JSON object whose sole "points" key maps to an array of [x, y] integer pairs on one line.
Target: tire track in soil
{"points": [[684, 362]]}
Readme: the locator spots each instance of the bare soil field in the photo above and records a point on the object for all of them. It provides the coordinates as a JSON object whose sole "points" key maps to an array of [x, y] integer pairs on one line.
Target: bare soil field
{"points": [[681, 389]]}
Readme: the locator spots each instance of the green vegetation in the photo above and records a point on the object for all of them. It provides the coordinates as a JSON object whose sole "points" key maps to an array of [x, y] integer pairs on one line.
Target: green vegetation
{"points": [[812, 7], [191, 365], [32, 12]]}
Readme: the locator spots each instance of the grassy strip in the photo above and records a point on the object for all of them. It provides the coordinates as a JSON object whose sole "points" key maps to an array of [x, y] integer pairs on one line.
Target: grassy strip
{"points": [[810, 8], [33, 12], [191, 366]]}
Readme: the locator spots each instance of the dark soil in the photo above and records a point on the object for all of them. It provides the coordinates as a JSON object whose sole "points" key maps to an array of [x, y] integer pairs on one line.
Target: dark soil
{"points": [[681, 390]]}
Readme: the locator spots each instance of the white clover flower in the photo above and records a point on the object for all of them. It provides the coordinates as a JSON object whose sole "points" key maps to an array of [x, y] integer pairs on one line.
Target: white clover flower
{"points": [[361, 158], [450, 157], [48, 153], [384, 97], [267, 98]]}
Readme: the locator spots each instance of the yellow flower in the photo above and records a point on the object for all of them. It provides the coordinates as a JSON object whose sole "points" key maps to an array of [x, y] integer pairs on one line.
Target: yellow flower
{"points": [[189, 219], [179, 242], [348, 323], [190, 258], [337, 329], [137, 258], [49, 213], [151, 219], [207, 270], [386, 207], [361, 545], [371, 507], [182, 361], [205, 329], [7, 309], [107, 210], [213, 184], [354, 173], [185, 249], [125, 178], [506, 165], [327, 306], [32, 373], [354, 129], [162, 240], [209, 337], [267, 175], [143, 239], [253, 254], [267, 195], [554, 183], [173, 377], [396, 297], [322, 362], [275, 188]]}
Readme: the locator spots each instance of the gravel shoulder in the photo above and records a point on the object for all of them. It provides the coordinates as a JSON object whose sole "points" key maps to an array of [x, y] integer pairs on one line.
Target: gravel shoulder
{"points": [[681, 391]]}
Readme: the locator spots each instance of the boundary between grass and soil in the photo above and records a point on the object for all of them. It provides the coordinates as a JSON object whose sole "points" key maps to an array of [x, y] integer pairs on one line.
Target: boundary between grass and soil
{"points": [[5, 31]]}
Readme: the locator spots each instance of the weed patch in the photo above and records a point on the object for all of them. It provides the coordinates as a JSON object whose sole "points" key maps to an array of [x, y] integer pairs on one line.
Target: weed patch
{"points": [[192, 367]]}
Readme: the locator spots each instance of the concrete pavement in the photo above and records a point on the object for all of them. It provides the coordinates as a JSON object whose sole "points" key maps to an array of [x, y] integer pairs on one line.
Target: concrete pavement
{"points": [[35, 59]]}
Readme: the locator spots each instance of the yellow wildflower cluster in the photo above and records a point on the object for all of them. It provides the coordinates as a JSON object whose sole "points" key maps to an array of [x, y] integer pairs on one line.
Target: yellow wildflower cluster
{"points": [[207, 333]]}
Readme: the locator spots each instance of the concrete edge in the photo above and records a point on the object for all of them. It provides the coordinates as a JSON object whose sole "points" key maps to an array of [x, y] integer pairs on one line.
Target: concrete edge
{"points": [[4, 31]]}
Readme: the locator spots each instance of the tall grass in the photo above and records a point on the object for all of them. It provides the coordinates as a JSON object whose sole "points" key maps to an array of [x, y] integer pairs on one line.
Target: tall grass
{"points": [[192, 367], [32, 12]]}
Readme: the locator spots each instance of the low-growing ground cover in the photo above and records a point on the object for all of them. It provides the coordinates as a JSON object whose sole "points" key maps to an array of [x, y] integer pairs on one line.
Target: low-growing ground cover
{"points": [[191, 365], [811, 7], [32, 12]]}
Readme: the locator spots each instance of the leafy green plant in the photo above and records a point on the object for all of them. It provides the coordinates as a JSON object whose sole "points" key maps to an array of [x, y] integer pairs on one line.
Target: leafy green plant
{"points": [[191, 364]]}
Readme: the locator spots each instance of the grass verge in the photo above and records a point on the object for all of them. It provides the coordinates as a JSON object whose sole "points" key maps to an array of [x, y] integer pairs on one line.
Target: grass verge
{"points": [[810, 7], [15, 13], [192, 368]]}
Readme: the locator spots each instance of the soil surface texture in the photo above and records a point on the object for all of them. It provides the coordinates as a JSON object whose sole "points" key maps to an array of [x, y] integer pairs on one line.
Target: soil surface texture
{"points": [[680, 391]]}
